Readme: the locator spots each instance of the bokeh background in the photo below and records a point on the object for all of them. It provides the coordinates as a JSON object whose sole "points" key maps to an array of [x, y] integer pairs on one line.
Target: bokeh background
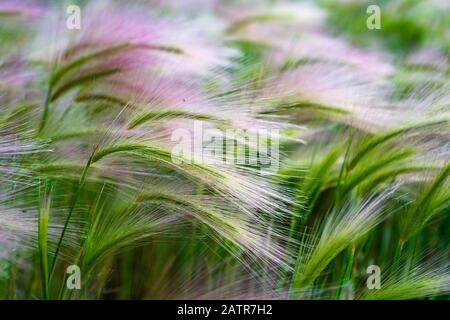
{"points": [[86, 176]]}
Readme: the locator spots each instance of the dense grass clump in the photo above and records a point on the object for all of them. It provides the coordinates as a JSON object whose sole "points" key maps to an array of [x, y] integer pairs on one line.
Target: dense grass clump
{"points": [[88, 176]]}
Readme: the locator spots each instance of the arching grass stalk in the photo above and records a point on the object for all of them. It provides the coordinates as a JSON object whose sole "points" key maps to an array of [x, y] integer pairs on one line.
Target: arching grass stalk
{"points": [[349, 259], [46, 109], [80, 253], [72, 207], [55, 89], [295, 282], [398, 253], [310, 189], [57, 75], [343, 171], [43, 218], [48, 99]]}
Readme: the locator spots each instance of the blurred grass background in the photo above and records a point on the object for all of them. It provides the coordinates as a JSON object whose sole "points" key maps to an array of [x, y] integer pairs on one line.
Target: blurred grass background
{"points": [[335, 232]]}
